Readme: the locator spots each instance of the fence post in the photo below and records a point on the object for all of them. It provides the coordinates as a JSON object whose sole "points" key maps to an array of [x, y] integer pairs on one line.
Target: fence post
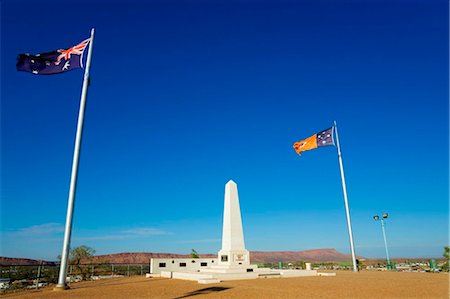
{"points": [[128, 270], [141, 269], [38, 275], [92, 270], [112, 270]]}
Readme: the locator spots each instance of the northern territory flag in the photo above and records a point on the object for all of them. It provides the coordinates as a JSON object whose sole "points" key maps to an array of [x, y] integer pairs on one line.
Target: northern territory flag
{"points": [[54, 62], [320, 139]]}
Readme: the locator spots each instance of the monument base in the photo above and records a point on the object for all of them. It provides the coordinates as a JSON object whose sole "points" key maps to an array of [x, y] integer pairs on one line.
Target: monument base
{"points": [[210, 275], [226, 269]]}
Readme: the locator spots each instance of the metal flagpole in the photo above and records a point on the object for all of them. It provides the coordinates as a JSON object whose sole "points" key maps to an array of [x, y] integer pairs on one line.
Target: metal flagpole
{"points": [[73, 180], [347, 211]]}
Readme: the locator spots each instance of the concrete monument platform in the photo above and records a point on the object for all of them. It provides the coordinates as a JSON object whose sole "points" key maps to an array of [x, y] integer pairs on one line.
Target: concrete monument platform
{"points": [[233, 262]]}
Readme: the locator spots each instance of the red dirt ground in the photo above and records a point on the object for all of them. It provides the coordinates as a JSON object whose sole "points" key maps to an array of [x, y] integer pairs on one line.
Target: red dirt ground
{"points": [[346, 284]]}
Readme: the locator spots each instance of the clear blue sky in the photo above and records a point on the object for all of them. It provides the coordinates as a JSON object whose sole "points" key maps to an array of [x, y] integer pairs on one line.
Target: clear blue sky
{"points": [[186, 95]]}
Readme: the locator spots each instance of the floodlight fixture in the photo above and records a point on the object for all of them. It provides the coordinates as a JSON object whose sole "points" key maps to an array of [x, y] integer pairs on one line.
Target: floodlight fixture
{"points": [[376, 217], [385, 215]]}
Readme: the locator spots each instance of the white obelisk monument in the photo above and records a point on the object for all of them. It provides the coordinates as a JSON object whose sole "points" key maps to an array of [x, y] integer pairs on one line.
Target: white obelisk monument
{"points": [[233, 253], [233, 261]]}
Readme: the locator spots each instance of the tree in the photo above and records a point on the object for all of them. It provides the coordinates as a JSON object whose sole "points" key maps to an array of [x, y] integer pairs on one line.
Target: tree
{"points": [[446, 254], [194, 254], [78, 254]]}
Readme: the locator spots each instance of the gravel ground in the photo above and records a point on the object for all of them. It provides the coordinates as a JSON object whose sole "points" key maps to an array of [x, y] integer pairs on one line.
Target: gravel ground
{"points": [[346, 284]]}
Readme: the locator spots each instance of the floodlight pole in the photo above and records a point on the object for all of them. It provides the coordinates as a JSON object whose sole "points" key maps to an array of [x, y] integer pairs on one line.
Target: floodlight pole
{"points": [[385, 216], [73, 180], [347, 211], [385, 242]]}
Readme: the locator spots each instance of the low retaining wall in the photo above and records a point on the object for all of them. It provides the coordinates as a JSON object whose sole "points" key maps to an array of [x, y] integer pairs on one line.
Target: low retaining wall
{"points": [[158, 265]]}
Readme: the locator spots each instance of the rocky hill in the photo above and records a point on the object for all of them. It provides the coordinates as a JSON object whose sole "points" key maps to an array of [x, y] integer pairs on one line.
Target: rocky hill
{"points": [[6, 261], [314, 255], [138, 257]]}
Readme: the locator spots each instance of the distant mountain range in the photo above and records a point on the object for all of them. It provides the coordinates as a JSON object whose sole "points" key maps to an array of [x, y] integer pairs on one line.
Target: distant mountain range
{"points": [[6, 261], [314, 255]]}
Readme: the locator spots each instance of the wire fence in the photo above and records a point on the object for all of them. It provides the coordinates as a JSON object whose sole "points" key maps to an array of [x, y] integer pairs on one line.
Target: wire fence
{"points": [[22, 276]]}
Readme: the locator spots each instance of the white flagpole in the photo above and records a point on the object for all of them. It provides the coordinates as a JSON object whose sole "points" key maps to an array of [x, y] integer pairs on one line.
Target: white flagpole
{"points": [[347, 211], [73, 180]]}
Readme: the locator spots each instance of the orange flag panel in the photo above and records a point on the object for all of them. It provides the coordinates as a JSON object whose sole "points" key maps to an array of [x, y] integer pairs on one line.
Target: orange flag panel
{"points": [[306, 144]]}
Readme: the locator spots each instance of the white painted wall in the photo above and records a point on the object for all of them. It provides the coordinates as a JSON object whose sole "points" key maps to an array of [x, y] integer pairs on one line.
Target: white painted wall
{"points": [[192, 265]]}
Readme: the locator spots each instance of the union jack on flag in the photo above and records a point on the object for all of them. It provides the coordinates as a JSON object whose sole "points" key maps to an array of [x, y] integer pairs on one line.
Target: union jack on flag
{"points": [[54, 62]]}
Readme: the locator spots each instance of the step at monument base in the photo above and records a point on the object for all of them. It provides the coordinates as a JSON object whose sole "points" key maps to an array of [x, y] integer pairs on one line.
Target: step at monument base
{"points": [[215, 277]]}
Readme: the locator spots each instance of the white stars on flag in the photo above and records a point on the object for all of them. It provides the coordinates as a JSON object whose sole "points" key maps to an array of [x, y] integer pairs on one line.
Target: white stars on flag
{"points": [[325, 137]]}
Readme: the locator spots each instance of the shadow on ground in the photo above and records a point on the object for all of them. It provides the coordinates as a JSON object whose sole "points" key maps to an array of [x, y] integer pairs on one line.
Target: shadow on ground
{"points": [[106, 283], [203, 291]]}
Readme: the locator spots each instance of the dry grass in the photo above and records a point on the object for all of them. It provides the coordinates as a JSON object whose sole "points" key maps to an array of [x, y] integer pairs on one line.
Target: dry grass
{"points": [[345, 284]]}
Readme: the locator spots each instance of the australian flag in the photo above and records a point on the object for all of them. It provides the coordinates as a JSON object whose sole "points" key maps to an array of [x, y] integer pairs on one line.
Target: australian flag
{"points": [[54, 62]]}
